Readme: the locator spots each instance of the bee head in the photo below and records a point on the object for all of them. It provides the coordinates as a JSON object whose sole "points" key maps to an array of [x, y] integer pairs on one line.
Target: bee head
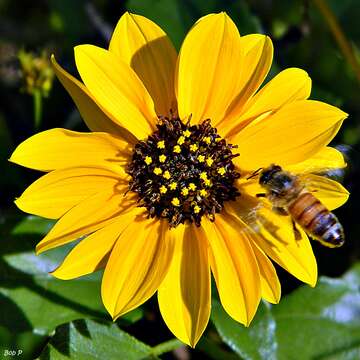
{"points": [[268, 173]]}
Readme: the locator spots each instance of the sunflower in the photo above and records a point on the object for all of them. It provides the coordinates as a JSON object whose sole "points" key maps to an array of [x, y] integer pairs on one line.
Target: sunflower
{"points": [[160, 191]]}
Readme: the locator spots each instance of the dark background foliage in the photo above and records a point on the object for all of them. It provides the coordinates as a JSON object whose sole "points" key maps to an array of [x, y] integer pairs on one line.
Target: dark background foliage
{"points": [[33, 304]]}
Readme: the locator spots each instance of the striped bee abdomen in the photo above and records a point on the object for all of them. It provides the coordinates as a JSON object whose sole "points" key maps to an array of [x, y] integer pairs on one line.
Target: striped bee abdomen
{"points": [[316, 220]]}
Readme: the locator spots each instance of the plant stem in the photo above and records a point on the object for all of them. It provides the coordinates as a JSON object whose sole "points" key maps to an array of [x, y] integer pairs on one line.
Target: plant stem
{"points": [[166, 346], [339, 36], [37, 100]]}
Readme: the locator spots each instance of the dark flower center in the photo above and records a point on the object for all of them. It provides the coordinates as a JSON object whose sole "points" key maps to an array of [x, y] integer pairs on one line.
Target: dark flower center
{"points": [[183, 172]]}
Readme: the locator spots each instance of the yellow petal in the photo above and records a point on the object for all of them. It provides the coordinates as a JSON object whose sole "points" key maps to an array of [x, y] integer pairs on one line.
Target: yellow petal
{"points": [[331, 193], [137, 265], [326, 159], [60, 148], [293, 134], [145, 47], [184, 295], [94, 116], [57, 192], [209, 69], [87, 256], [234, 267], [88, 216], [270, 284], [258, 54], [289, 85], [117, 89], [275, 236]]}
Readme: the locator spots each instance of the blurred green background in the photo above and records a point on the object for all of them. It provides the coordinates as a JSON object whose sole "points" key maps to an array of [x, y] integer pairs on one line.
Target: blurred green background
{"points": [[41, 316]]}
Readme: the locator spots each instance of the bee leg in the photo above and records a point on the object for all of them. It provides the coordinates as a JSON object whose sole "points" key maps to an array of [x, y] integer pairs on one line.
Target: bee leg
{"points": [[261, 195], [280, 211], [296, 231]]}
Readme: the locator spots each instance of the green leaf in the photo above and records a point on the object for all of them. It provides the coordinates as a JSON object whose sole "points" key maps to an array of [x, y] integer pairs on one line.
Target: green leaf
{"points": [[177, 16], [326, 319], [42, 301], [32, 225], [319, 323], [87, 339], [33, 303], [169, 14], [253, 343]]}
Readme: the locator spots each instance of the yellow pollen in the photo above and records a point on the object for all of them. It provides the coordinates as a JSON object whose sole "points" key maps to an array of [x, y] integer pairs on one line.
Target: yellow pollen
{"points": [[163, 189], [161, 144], [175, 201], [187, 133], [157, 171], [181, 140], [177, 149], [192, 187], [207, 182], [209, 161], [162, 158], [207, 139], [203, 192], [166, 175], [184, 192], [201, 158], [173, 186], [193, 147], [218, 139], [221, 170], [148, 160], [197, 209], [203, 176]]}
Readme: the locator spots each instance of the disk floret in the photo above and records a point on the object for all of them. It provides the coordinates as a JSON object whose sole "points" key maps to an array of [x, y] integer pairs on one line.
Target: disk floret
{"points": [[183, 172]]}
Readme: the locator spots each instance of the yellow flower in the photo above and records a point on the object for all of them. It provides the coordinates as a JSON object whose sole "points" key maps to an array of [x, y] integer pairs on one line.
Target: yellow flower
{"points": [[88, 174], [207, 140], [173, 185], [187, 133], [203, 176], [148, 160], [166, 175], [184, 191], [181, 140], [221, 170], [193, 147], [197, 209], [175, 201], [157, 171], [162, 158], [209, 161], [203, 192], [161, 144], [192, 187]]}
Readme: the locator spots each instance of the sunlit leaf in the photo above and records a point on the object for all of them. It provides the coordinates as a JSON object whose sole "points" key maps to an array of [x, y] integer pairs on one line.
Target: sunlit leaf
{"points": [[254, 343], [319, 323], [87, 339], [33, 225]]}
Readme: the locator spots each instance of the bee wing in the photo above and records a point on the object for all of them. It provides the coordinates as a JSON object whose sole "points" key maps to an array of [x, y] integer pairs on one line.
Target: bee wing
{"points": [[327, 162], [261, 219], [331, 193]]}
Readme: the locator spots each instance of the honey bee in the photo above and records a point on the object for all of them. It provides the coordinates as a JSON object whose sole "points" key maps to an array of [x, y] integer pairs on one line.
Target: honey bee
{"points": [[288, 196]]}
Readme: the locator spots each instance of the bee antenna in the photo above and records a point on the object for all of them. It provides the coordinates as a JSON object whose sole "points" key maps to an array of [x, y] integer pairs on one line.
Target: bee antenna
{"points": [[255, 173]]}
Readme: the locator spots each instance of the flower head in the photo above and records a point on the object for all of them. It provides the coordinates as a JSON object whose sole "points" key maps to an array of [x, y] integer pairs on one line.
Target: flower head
{"points": [[187, 158]]}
